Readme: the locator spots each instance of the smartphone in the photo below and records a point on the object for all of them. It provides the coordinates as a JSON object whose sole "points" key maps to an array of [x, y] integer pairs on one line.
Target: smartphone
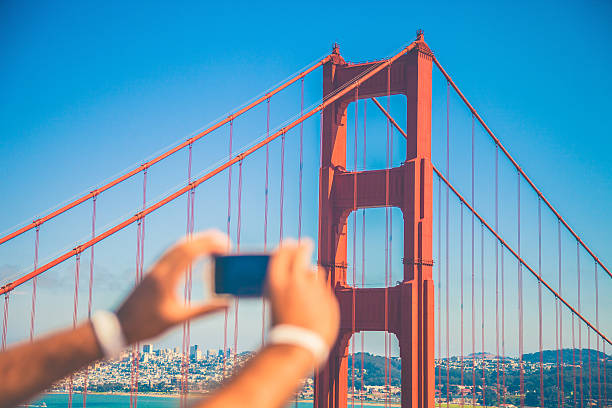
{"points": [[240, 275]]}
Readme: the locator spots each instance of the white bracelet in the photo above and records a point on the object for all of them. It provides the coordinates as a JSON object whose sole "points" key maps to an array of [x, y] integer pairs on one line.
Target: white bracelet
{"points": [[108, 331], [301, 337]]}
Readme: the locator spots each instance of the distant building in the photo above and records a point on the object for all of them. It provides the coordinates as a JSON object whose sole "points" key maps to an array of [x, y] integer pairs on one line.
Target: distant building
{"points": [[147, 348], [195, 353]]}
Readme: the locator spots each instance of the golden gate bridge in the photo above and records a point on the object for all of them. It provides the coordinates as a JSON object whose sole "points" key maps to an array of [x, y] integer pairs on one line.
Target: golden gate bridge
{"points": [[441, 232]]}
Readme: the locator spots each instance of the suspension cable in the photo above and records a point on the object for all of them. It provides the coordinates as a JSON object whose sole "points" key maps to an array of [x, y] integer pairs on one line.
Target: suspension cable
{"points": [[170, 152], [520, 259], [515, 164]]}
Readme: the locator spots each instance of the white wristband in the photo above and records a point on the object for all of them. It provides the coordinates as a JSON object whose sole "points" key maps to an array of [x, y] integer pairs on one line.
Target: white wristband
{"points": [[301, 337], [108, 331]]}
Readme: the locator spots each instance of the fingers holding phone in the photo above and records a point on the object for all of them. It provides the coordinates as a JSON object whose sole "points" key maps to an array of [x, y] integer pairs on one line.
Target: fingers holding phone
{"points": [[297, 293]]}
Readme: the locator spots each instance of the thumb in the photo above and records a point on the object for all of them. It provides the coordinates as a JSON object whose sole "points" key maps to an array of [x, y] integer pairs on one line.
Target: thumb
{"points": [[211, 306]]}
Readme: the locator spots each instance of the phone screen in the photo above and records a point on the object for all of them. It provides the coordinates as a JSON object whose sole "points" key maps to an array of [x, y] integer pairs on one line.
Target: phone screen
{"points": [[241, 275]]}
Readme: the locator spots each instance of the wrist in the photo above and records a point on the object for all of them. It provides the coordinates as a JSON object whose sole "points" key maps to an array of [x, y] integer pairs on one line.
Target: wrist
{"points": [[300, 337], [109, 333]]}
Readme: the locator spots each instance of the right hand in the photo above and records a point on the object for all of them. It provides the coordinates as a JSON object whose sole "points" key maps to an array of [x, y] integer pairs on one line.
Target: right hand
{"points": [[153, 306], [299, 295]]}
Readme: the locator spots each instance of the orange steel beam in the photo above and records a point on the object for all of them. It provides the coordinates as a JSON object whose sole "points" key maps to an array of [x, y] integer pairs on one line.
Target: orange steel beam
{"points": [[12, 285], [496, 140], [501, 240], [390, 118], [159, 158]]}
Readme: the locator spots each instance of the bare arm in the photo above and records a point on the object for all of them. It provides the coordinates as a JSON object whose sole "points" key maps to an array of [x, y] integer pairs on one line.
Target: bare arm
{"points": [[298, 297], [28, 369], [268, 380]]}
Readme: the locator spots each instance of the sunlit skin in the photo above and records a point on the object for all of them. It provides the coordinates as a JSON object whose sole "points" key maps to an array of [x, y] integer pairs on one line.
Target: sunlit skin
{"points": [[297, 296]]}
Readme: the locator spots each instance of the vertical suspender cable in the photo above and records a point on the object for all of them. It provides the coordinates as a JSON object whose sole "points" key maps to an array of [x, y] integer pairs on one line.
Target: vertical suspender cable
{"points": [[446, 220], [238, 228], [557, 350], [497, 269], [387, 243], [520, 296], [266, 196], [605, 381], [589, 363], [302, 159], [74, 315], [473, 311], [503, 326], [597, 324], [579, 326], [134, 370], [560, 310], [573, 361], [389, 336], [461, 289], [540, 302], [440, 285], [363, 219], [90, 293], [229, 215], [482, 311], [5, 319], [139, 275], [354, 283], [187, 291], [282, 188], [34, 284]]}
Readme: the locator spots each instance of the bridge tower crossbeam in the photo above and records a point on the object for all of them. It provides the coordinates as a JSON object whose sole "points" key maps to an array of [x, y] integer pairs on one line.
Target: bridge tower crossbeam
{"points": [[410, 304]]}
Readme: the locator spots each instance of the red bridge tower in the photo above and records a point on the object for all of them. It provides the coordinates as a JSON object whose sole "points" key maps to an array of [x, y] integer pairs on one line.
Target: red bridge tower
{"points": [[410, 304]]}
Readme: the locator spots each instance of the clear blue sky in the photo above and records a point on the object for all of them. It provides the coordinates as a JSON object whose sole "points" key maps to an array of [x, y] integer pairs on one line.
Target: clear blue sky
{"points": [[90, 90]]}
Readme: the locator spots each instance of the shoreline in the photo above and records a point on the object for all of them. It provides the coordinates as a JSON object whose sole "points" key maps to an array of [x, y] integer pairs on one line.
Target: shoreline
{"points": [[192, 395]]}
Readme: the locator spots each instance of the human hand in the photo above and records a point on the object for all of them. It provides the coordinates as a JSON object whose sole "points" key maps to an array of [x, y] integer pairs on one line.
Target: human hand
{"points": [[153, 306], [299, 295]]}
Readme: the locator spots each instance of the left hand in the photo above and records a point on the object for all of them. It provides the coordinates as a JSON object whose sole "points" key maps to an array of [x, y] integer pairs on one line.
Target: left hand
{"points": [[153, 306]]}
